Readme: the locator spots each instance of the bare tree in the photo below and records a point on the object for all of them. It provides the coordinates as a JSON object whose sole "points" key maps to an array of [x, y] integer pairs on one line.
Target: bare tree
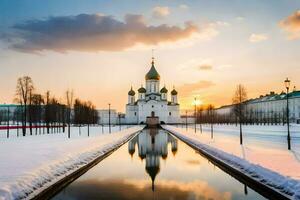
{"points": [[69, 101], [211, 115], [238, 100], [37, 101], [23, 90]]}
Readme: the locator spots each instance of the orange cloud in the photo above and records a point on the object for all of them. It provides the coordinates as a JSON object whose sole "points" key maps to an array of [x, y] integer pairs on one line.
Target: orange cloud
{"points": [[292, 25], [255, 38], [94, 32], [189, 89], [160, 11], [205, 67]]}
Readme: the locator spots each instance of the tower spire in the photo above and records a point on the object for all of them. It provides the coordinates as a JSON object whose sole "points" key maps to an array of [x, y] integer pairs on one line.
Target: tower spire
{"points": [[152, 62]]}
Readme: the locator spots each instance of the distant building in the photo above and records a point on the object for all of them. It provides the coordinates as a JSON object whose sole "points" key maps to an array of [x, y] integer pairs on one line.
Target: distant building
{"points": [[11, 111], [104, 116], [271, 106], [152, 101]]}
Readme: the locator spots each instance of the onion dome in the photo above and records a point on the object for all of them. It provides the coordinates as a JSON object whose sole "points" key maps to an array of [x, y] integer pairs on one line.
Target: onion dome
{"points": [[164, 90], [142, 90], [174, 92], [131, 92], [152, 74]]}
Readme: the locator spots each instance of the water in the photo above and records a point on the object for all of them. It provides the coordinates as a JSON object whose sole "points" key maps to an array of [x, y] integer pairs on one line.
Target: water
{"points": [[155, 165]]}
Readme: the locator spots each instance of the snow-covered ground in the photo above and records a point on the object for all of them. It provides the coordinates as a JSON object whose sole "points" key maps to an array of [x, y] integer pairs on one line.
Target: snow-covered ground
{"points": [[264, 155], [75, 131], [30, 164], [263, 145]]}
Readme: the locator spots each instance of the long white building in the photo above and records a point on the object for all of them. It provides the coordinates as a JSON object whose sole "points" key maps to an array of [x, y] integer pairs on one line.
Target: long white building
{"points": [[270, 107], [152, 101]]}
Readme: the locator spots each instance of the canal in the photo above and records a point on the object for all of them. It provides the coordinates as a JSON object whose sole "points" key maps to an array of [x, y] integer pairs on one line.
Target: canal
{"points": [[156, 165]]}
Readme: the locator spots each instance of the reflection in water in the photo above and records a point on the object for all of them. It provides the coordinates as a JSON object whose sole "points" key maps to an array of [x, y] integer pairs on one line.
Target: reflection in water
{"points": [[184, 176], [151, 146]]}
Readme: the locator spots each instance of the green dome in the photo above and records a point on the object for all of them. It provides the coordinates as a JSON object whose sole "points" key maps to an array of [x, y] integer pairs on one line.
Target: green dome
{"points": [[131, 92], [142, 90], [164, 90], [174, 92], [152, 74]]}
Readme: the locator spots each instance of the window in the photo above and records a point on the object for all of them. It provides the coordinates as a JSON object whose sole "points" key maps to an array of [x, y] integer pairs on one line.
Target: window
{"points": [[170, 113], [152, 106], [162, 106], [134, 113]]}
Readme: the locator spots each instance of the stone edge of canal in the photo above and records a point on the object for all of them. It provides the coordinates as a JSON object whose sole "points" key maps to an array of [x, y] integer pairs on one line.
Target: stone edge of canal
{"points": [[257, 186], [53, 189]]}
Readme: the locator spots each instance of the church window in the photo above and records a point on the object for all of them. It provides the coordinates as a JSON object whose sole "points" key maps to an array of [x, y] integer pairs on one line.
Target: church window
{"points": [[162, 105], [170, 113], [152, 106], [134, 113]]}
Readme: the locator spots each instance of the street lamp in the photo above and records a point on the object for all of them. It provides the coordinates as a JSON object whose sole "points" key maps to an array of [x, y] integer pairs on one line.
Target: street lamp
{"points": [[109, 118], [186, 120], [119, 116], [287, 83], [7, 121], [196, 102], [195, 113]]}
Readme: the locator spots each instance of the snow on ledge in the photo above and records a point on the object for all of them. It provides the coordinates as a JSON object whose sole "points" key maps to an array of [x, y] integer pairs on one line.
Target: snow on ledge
{"points": [[53, 166], [285, 185]]}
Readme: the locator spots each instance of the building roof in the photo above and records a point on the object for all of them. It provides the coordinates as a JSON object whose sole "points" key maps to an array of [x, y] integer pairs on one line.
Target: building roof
{"points": [[269, 97], [164, 90], [142, 90], [273, 97], [152, 73], [174, 92], [131, 92]]}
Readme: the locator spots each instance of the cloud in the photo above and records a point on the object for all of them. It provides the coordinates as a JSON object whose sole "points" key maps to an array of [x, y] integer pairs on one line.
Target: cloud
{"points": [[95, 32], [205, 66], [192, 88], [160, 12], [240, 19], [291, 25], [222, 23], [255, 38], [198, 64], [183, 7]]}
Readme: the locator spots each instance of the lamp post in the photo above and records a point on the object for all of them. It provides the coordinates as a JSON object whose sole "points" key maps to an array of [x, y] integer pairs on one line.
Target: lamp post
{"points": [[195, 113], [196, 103], [109, 118], [186, 121], [119, 116], [7, 121], [287, 83]]}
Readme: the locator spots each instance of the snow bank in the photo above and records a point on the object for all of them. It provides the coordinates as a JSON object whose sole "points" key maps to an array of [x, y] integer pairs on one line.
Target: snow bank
{"points": [[285, 185], [31, 164]]}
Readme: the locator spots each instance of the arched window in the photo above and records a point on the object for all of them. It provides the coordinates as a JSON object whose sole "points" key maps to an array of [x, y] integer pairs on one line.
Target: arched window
{"points": [[170, 113]]}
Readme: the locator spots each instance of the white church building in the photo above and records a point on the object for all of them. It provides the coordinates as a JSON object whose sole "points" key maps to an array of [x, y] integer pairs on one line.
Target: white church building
{"points": [[152, 101]]}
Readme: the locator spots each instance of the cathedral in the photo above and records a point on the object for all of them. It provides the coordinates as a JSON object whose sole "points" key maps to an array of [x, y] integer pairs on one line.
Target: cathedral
{"points": [[152, 101]]}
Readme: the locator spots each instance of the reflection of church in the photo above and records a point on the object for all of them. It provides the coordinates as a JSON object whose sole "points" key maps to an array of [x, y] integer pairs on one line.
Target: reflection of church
{"points": [[152, 145]]}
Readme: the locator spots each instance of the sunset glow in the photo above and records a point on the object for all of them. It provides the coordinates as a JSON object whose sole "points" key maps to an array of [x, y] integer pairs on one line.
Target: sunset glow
{"points": [[100, 49]]}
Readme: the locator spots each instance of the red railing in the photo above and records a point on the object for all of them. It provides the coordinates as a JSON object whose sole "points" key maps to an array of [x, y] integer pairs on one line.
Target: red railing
{"points": [[20, 127]]}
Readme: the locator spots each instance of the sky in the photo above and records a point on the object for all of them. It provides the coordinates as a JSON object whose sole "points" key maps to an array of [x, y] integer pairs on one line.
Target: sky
{"points": [[102, 48]]}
